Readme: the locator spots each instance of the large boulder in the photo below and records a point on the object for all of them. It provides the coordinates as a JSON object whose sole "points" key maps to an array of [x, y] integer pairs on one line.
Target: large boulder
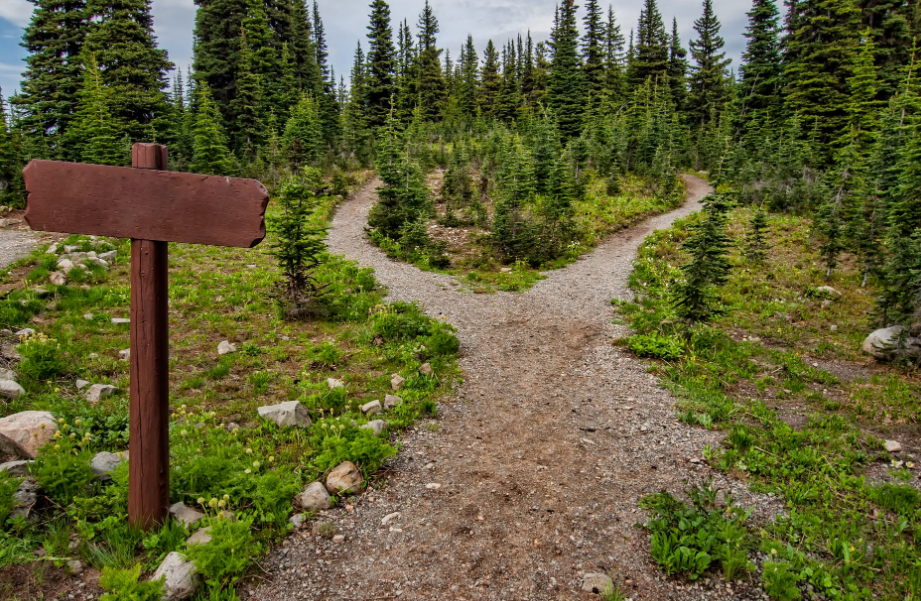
{"points": [[314, 498], [892, 343], [286, 415], [20, 467], [346, 477], [23, 434], [9, 389], [180, 580]]}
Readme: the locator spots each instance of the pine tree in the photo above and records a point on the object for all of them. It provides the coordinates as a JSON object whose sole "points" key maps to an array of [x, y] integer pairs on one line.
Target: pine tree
{"points": [[470, 85], [508, 100], [54, 39], [649, 57], [863, 107], [845, 182], [381, 64], [566, 88], [761, 71], [432, 88], [614, 58], [96, 134], [708, 85], [491, 80], [890, 25], [303, 132], [9, 163], [708, 245], [325, 93], [677, 69], [357, 137], [755, 238], [593, 49], [303, 54], [218, 24], [209, 147], [132, 66], [249, 104]]}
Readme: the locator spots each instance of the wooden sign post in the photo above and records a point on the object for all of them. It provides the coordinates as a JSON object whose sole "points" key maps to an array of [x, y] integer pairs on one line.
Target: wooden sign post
{"points": [[153, 207]]}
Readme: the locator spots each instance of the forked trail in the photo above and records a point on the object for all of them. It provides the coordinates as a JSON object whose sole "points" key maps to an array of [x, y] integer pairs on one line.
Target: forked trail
{"points": [[541, 458]]}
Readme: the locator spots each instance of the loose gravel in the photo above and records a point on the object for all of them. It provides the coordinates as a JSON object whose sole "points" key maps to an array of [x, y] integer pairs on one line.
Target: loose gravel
{"points": [[533, 477], [14, 245]]}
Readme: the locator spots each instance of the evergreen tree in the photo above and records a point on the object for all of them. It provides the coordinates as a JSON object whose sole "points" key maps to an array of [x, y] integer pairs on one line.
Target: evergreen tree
{"points": [[755, 239], [761, 71], [9, 161], [890, 25], [381, 64], [649, 57], [508, 99], [470, 84], [614, 57], [209, 147], [54, 39], [566, 90], [863, 107], [218, 24], [491, 80], [708, 85], [325, 92], [96, 134], [593, 49], [432, 87], [677, 69], [357, 137], [249, 104], [303, 136], [708, 245], [303, 54]]}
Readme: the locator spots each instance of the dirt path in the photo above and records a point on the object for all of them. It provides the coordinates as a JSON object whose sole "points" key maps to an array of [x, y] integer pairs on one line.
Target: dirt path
{"points": [[541, 459]]}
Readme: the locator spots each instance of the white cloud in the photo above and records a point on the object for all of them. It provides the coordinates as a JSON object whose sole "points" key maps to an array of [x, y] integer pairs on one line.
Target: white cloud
{"points": [[10, 69], [18, 12]]}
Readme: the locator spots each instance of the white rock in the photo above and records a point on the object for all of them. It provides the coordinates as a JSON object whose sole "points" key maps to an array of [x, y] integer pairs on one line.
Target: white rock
{"points": [[391, 402], [884, 344], [88, 316], [124, 355], [339, 538], [65, 265], [81, 384], [344, 478], [377, 426], [57, 278], [286, 415], [20, 467], [180, 580], [8, 374], [120, 321], [396, 382], [389, 518], [104, 463], [433, 486], [70, 248], [9, 389], [25, 499], [185, 514], [827, 290], [75, 567], [892, 446], [426, 369], [297, 520], [600, 584], [52, 249], [334, 383], [109, 256], [372, 407], [23, 434], [226, 348], [25, 333], [201, 537], [97, 392], [315, 498]]}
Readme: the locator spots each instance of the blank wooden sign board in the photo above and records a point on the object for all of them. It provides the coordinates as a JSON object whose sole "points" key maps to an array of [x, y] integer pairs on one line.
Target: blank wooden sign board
{"points": [[153, 207]]}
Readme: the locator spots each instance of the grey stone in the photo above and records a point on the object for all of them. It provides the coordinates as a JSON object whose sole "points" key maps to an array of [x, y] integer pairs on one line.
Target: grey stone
{"points": [[23, 434], [104, 463], [97, 392], [297, 520], [392, 401], [389, 518], [9, 389], [426, 369], [185, 514], [377, 426], [8, 351], [70, 248], [286, 415], [226, 348], [24, 499], [180, 580], [334, 383], [75, 567], [57, 278], [53, 249], [600, 584], [124, 355], [314, 498], [372, 407], [201, 537], [25, 333], [19, 468], [344, 478], [232, 427], [396, 382], [8, 374], [66, 265], [81, 384], [120, 321], [892, 446], [109, 256], [890, 343], [828, 291], [88, 316]]}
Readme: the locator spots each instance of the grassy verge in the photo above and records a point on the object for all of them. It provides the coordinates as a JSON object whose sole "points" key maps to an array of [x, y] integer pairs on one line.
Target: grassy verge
{"points": [[477, 266], [805, 416], [251, 472]]}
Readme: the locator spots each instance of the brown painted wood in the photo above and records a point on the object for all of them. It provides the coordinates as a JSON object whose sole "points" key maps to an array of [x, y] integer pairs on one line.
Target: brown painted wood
{"points": [[148, 465], [149, 204]]}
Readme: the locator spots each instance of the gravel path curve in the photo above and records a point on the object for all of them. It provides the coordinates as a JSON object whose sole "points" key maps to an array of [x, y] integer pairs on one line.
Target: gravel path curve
{"points": [[533, 476]]}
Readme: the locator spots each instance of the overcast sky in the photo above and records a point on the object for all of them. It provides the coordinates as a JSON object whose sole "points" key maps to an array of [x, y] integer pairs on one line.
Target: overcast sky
{"points": [[346, 22]]}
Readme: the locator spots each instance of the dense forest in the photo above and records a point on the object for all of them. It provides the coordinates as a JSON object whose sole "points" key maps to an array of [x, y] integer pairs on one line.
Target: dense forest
{"points": [[820, 118]]}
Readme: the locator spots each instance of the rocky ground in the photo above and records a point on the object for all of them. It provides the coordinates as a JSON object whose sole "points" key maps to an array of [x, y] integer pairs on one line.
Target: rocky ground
{"points": [[532, 477]]}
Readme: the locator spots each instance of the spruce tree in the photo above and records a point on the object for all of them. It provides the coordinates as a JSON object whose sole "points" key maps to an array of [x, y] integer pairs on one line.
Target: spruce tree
{"points": [[432, 88], [325, 92], [755, 239], [9, 163], [218, 24], [593, 49], [132, 66], [863, 107], [249, 103], [381, 64], [54, 39], [708, 245], [470, 84], [761, 71], [491, 80], [508, 100], [96, 135], [649, 56], [614, 57], [303, 136], [209, 147], [890, 25], [708, 81], [566, 89], [357, 137], [677, 69], [303, 54]]}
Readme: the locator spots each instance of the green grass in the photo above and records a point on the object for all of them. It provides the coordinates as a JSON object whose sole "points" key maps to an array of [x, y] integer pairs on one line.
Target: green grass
{"points": [[215, 294], [805, 412]]}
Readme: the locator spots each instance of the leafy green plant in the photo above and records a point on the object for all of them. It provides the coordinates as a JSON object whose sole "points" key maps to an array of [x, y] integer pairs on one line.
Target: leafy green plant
{"points": [[401, 321], [8, 486], [63, 470], [780, 582], [442, 342], [326, 353], [232, 549], [337, 441], [42, 357], [655, 346], [903, 500], [124, 585]]}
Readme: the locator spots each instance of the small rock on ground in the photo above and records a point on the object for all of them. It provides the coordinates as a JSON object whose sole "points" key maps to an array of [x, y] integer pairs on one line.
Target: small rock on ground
{"points": [[180, 579], [344, 478], [23, 434], [97, 392], [286, 415], [226, 347]]}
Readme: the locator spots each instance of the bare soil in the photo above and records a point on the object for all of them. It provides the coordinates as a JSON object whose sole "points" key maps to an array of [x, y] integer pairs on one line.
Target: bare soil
{"points": [[533, 475]]}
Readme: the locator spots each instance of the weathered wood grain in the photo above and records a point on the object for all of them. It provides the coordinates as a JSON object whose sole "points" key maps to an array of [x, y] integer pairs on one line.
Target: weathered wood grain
{"points": [[145, 204]]}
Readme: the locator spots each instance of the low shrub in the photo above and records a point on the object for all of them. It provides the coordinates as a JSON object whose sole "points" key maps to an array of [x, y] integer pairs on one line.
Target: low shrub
{"points": [[63, 469], [42, 357], [231, 551], [123, 585], [656, 347], [8, 487], [780, 582]]}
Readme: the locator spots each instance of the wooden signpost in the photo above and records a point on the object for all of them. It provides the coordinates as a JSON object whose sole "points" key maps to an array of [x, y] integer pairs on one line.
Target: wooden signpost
{"points": [[153, 207]]}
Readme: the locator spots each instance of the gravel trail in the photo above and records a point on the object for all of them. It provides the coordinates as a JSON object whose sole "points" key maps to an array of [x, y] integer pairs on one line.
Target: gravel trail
{"points": [[533, 476], [15, 244]]}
